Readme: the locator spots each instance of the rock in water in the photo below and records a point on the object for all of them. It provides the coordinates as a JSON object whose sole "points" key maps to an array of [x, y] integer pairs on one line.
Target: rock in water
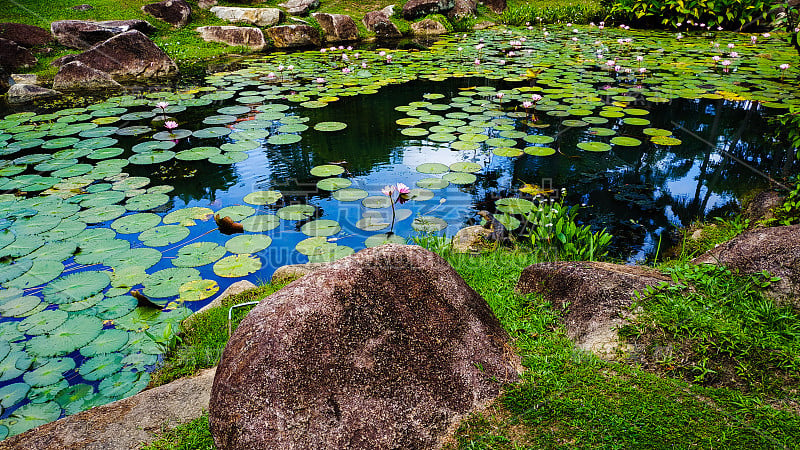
{"points": [[337, 27], [598, 294], [775, 249], [14, 56], [175, 12], [23, 93], [291, 36], [24, 35], [379, 23], [384, 349], [130, 55], [78, 76]]}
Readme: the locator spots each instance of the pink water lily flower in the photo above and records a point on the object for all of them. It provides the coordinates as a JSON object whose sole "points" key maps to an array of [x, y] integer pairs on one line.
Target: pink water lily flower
{"points": [[171, 124], [162, 105], [346, 70], [388, 190], [526, 104], [784, 66], [536, 97], [319, 80], [402, 188]]}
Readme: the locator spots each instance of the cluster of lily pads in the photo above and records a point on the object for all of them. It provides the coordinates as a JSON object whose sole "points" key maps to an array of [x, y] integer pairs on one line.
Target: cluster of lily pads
{"points": [[78, 232]]}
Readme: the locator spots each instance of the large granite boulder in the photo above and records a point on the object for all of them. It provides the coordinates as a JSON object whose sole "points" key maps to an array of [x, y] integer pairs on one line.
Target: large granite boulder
{"points": [[598, 296], [288, 273], [299, 7], [82, 34], [130, 55], [13, 56], [775, 249], [24, 93], [379, 23], [427, 27], [175, 12], [463, 8], [337, 27], [384, 349], [291, 36], [262, 17], [24, 35], [497, 6], [250, 37], [420, 8], [77, 76]]}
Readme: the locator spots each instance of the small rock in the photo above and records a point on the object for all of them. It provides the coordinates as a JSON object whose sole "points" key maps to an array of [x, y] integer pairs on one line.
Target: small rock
{"points": [[419, 8], [175, 12], [497, 6], [83, 7], [77, 76], [385, 349], [25, 78], [83, 34], [129, 55], [262, 17], [761, 206], [337, 27], [463, 8], [774, 249], [250, 37], [14, 56], [299, 7], [483, 25], [471, 240], [291, 272], [378, 22], [25, 35], [427, 27], [207, 4], [388, 10], [23, 93], [292, 36], [598, 296]]}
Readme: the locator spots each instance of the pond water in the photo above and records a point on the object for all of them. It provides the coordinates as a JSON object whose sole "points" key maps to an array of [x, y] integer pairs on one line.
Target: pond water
{"points": [[647, 130]]}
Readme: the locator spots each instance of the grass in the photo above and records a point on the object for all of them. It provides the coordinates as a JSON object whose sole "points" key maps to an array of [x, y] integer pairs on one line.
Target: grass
{"points": [[700, 237], [193, 435], [570, 399], [519, 13]]}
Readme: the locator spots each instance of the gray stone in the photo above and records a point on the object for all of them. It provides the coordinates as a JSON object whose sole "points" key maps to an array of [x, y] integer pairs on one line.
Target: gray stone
{"points": [[775, 249], [82, 34], [123, 424], [175, 12], [337, 27], [419, 8], [83, 7], [77, 76], [206, 4], [262, 17], [129, 55], [428, 27], [463, 8], [252, 38], [299, 7], [25, 78], [385, 349], [287, 274], [14, 56], [472, 240], [598, 297], [378, 22], [292, 36], [25, 35], [388, 10], [483, 25], [762, 205], [23, 93]]}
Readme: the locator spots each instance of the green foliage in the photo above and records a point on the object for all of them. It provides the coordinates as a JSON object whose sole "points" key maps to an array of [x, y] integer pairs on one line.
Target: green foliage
{"points": [[553, 12], [710, 234], [194, 435], [462, 23], [200, 345], [789, 212], [725, 13], [722, 331], [554, 231]]}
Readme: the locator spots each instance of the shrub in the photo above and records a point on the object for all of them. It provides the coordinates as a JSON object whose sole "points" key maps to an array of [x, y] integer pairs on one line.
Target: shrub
{"points": [[533, 14], [714, 13], [554, 230]]}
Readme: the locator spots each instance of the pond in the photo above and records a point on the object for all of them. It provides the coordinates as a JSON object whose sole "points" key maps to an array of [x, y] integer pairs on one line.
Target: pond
{"points": [[647, 130]]}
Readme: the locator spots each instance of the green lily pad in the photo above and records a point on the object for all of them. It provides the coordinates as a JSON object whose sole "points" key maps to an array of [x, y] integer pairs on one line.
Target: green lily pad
{"points": [[539, 151], [211, 132], [260, 223], [188, 216], [460, 177], [237, 212], [101, 366], [75, 287], [12, 394], [262, 197], [428, 224], [18, 306], [514, 205], [43, 271], [665, 140], [321, 227], [42, 322], [166, 282], [31, 416], [198, 254], [127, 276], [146, 201], [236, 266], [284, 139], [296, 212], [140, 256], [333, 184], [594, 146], [164, 235], [330, 126], [327, 170], [108, 341], [350, 194], [248, 243], [198, 290], [197, 153], [115, 307], [432, 168], [135, 223], [73, 334], [376, 202], [99, 214], [330, 253], [384, 238]]}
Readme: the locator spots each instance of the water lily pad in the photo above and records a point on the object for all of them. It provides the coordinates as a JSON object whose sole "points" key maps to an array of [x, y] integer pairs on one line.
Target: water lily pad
{"points": [[333, 184], [164, 235], [212, 132], [665, 140], [11, 394], [135, 223], [460, 178], [539, 151], [127, 276], [414, 132], [464, 166], [140, 256], [625, 141], [31, 416], [42, 271], [198, 254], [197, 153], [327, 170], [594, 146], [514, 205], [296, 212], [42, 322], [236, 266], [108, 341], [377, 201], [188, 216], [101, 366], [99, 214], [260, 223], [152, 157], [14, 269], [432, 168], [198, 290], [118, 384], [428, 224], [321, 227], [73, 334], [75, 287], [350, 194], [657, 132], [167, 282], [284, 139], [248, 243], [19, 305], [262, 197], [115, 307], [384, 238], [330, 253], [373, 222]]}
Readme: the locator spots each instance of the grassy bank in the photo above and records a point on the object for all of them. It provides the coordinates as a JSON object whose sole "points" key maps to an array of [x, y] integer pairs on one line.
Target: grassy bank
{"points": [[571, 399]]}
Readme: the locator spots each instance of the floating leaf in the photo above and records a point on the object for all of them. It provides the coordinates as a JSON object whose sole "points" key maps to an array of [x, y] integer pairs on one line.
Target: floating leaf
{"points": [[187, 216], [350, 194], [140, 256], [428, 224], [625, 141], [166, 282], [432, 168], [377, 201], [321, 227], [514, 205], [236, 266], [73, 334], [665, 140], [146, 201], [331, 253], [42, 322], [539, 151], [384, 238], [465, 167], [327, 170], [135, 223], [198, 290], [296, 212], [164, 235], [284, 139], [100, 214], [432, 183], [43, 270], [108, 341], [237, 212], [330, 126], [11, 394], [198, 254], [260, 223], [101, 366], [114, 307], [249, 243], [31, 416], [262, 197], [594, 146], [460, 177], [333, 184], [75, 287]]}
